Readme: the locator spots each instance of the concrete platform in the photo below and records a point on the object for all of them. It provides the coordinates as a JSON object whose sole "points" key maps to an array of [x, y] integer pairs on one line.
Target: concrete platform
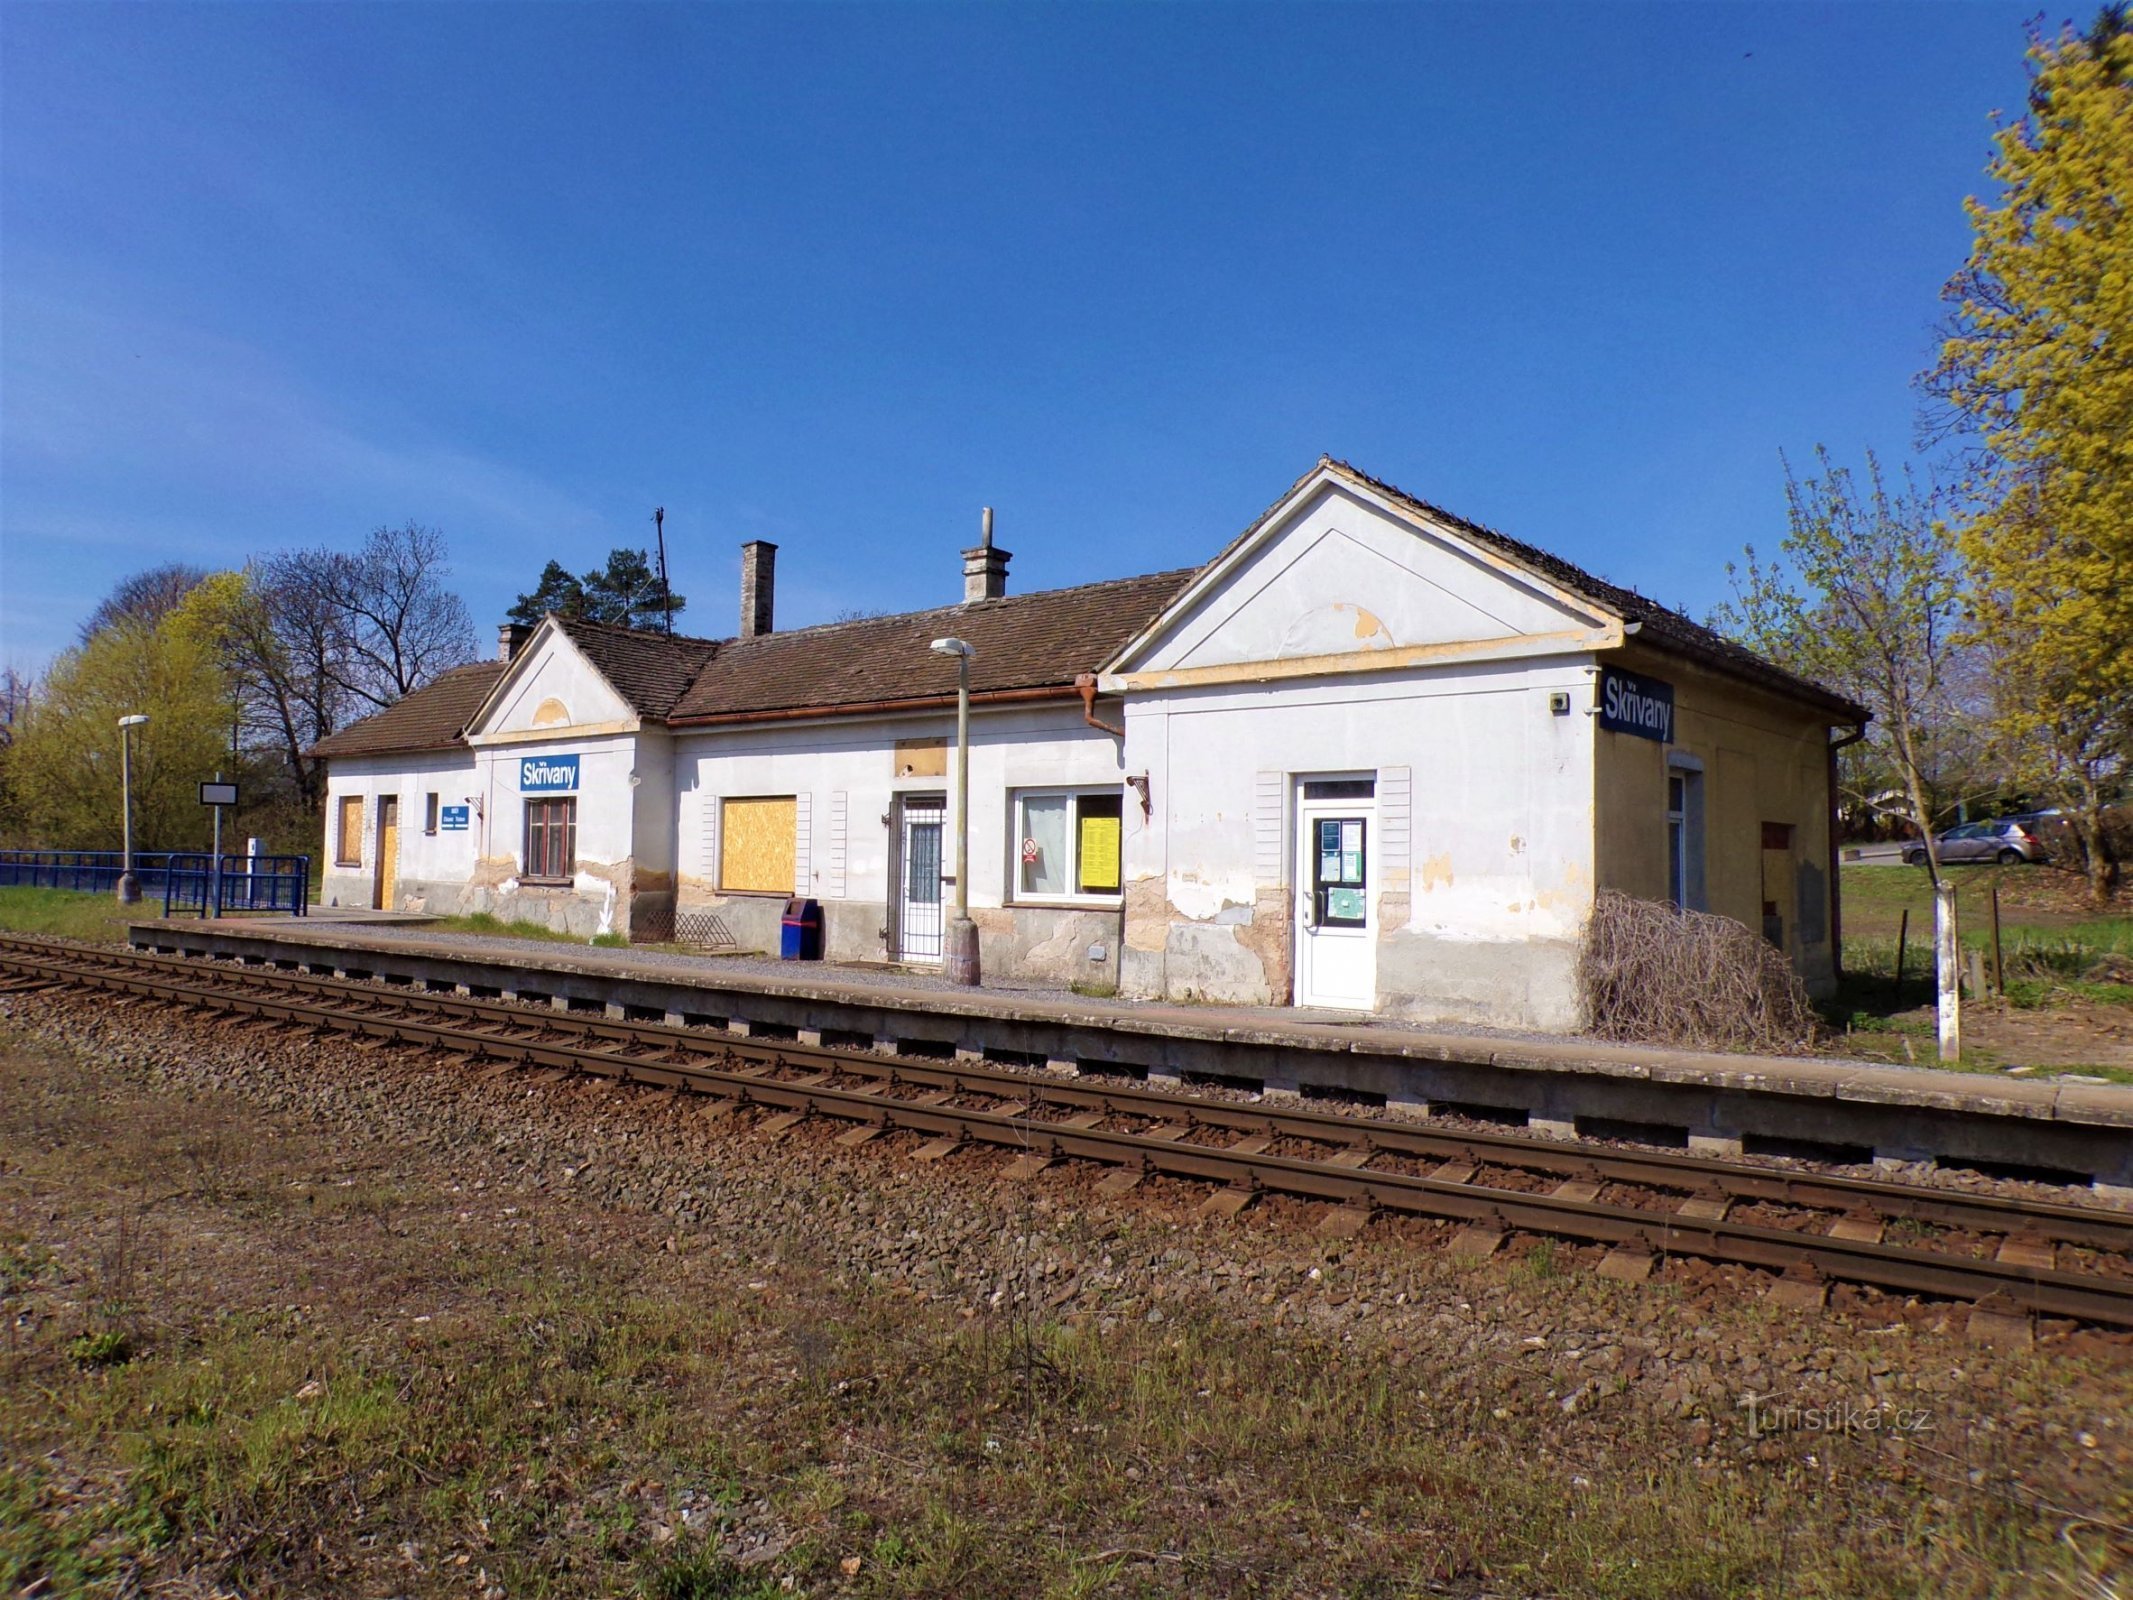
{"points": [[1566, 1086]]}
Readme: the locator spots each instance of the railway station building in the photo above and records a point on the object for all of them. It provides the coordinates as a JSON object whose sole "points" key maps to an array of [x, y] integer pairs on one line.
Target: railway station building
{"points": [[1369, 757]]}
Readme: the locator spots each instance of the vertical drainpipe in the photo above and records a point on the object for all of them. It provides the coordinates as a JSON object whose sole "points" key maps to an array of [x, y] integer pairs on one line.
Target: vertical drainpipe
{"points": [[1836, 894], [1086, 683]]}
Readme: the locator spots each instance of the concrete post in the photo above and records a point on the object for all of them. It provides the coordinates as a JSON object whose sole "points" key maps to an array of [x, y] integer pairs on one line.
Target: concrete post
{"points": [[1947, 961]]}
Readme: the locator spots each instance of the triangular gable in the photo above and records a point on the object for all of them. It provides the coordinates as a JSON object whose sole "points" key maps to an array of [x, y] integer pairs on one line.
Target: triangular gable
{"points": [[1336, 577], [551, 689]]}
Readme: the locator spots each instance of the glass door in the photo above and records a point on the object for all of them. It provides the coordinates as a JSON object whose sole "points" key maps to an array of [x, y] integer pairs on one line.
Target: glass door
{"points": [[1336, 913]]}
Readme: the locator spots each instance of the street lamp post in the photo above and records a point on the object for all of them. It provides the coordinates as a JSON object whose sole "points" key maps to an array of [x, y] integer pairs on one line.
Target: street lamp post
{"points": [[960, 957], [129, 887]]}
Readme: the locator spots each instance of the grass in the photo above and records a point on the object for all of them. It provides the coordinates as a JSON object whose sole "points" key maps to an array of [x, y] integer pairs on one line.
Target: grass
{"points": [[69, 914], [483, 922], [2057, 955], [578, 1412]]}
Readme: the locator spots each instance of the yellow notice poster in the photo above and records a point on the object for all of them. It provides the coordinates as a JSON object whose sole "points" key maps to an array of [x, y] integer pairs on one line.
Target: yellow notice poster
{"points": [[1099, 854]]}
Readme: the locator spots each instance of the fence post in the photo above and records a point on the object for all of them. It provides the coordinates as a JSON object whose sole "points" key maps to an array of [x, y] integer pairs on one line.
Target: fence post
{"points": [[1947, 960]]}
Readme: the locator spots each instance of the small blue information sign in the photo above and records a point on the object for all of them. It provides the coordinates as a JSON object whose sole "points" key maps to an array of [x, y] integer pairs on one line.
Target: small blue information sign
{"points": [[547, 774], [452, 819]]}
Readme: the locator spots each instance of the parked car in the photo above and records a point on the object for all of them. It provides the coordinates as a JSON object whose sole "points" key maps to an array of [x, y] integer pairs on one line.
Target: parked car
{"points": [[2007, 841]]}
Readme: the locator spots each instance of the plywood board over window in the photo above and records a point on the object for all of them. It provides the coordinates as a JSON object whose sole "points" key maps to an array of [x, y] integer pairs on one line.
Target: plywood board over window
{"points": [[922, 758], [348, 837], [758, 845]]}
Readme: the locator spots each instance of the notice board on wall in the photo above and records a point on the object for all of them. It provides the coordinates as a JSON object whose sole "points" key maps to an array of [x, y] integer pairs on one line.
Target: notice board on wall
{"points": [[1099, 852]]}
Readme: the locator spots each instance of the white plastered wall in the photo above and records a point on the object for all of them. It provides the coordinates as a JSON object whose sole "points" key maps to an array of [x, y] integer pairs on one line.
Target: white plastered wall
{"points": [[554, 702], [1350, 637], [433, 868], [843, 771], [1480, 899]]}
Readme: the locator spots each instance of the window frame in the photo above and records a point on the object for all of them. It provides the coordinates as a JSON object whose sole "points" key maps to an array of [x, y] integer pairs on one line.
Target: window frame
{"points": [[1687, 841], [429, 813], [544, 806], [1101, 899], [345, 806]]}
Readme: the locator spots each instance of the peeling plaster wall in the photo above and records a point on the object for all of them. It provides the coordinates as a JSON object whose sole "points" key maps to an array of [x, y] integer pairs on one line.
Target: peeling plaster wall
{"points": [[430, 865], [1480, 900], [844, 776], [603, 895]]}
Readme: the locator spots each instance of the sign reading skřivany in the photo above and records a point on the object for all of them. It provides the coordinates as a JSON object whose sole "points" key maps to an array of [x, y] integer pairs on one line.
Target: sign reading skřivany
{"points": [[1642, 706], [547, 774]]}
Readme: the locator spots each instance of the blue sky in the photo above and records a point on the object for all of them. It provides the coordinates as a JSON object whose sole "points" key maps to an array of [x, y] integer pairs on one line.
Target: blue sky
{"points": [[837, 277]]}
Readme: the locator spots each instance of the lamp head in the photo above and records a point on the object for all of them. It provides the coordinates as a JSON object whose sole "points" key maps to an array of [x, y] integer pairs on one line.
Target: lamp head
{"points": [[133, 721], [952, 647]]}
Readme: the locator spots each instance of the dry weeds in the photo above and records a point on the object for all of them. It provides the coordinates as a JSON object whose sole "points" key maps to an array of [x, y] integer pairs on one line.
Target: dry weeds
{"points": [[1653, 974]]}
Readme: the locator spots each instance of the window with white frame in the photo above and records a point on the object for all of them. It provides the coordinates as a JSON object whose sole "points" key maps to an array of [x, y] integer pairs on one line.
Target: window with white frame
{"points": [[1068, 844], [1684, 834]]}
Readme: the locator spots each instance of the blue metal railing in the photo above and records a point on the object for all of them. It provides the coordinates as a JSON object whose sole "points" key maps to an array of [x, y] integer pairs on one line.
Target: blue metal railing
{"points": [[219, 886], [187, 880], [86, 871]]}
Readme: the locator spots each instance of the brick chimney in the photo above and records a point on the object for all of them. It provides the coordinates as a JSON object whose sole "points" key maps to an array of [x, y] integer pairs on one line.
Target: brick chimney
{"points": [[985, 566], [511, 638], [759, 570]]}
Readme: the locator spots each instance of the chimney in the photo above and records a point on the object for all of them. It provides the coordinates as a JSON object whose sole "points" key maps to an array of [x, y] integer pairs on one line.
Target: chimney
{"points": [[511, 638], [759, 570], [985, 567]]}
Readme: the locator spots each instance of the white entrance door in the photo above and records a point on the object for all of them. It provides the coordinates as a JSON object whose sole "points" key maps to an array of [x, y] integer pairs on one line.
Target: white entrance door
{"points": [[1336, 896], [918, 921]]}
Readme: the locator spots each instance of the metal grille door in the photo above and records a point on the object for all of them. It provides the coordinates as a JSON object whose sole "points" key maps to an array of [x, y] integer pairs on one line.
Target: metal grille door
{"points": [[919, 924]]}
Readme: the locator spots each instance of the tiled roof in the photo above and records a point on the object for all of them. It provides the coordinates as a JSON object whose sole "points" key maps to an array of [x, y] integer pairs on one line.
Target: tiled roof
{"points": [[1027, 641], [1042, 640], [647, 668], [429, 718], [1660, 625]]}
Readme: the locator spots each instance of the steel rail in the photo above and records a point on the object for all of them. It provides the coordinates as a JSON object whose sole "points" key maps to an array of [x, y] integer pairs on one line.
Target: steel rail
{"points": [[2039, 1289], [2089, 1225], [512, 1034]]}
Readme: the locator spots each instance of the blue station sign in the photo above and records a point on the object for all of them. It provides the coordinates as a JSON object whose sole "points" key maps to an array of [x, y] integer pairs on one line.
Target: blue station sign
{"points": [[1642, 706], [547, 774], [452, 819]]}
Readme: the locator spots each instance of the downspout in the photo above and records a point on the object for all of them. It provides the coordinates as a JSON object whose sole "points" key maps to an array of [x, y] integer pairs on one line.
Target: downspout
{"points": [[1836, 893], [1086, 683]]}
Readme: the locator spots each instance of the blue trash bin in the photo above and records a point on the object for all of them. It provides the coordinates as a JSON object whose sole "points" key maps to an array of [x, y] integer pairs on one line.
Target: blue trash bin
{"points": [[800, 931]]}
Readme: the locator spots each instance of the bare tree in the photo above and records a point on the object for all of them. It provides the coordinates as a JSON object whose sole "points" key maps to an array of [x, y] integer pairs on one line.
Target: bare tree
{"points": [[146, 598], [399, 625], [14, 703], [285, 645]]}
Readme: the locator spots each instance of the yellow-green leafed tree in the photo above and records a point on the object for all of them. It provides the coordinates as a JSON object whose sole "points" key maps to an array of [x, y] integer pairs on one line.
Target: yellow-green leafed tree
{"points": [[2037, 366], [64, 764]]}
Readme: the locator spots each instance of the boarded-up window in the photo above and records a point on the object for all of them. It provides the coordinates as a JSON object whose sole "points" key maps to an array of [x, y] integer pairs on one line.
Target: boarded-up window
{"points": [[758, 839], [348, 833], [922, 758]]}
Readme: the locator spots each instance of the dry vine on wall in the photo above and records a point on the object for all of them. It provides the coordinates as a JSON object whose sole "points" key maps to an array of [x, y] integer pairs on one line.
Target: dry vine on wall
{"points": [[1652, 974]]}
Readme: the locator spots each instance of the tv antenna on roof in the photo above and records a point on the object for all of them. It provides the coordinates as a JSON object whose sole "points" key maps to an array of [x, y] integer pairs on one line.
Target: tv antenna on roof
{"points": [[666, 590]]}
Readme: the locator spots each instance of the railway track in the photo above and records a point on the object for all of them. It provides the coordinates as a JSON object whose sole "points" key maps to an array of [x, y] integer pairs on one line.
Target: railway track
{"points": [[2010, 1256]]}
